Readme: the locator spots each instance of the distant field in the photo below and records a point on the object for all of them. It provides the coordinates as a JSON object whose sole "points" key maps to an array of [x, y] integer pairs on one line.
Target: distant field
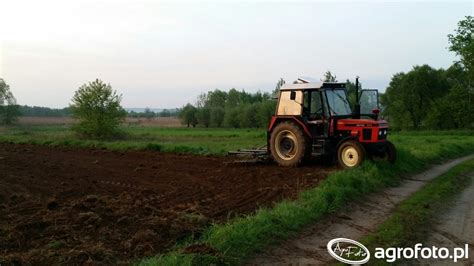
{"points": [[139, 137], [209, 140], [156, 121]]}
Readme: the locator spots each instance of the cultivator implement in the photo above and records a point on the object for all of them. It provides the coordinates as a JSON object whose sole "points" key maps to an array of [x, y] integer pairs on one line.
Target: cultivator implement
{"points": [[259, 154]]}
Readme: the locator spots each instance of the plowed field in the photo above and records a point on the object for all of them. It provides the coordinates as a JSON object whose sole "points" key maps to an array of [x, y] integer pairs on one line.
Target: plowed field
{"points": [[74, 206]]}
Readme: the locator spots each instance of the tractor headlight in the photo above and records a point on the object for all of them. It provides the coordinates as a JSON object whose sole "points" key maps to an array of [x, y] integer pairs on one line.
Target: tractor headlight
{"points": [[380, 132]]}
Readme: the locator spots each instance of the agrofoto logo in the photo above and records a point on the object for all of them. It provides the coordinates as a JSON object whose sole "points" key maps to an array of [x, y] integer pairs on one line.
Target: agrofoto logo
{"points": [[348, 251], [352, 252]]}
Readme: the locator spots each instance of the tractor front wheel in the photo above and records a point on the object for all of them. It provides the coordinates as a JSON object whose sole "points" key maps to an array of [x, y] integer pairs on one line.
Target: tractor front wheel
{"points": [[289, 145], [350, 154], [390, 152]]}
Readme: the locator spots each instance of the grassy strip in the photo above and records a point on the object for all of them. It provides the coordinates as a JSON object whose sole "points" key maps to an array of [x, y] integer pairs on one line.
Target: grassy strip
{"points": [[202, 141], [240, 238], [410, 222]]}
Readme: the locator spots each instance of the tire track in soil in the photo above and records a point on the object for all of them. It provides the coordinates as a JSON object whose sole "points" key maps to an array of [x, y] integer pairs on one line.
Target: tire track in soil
{"points": [[71, 206]]}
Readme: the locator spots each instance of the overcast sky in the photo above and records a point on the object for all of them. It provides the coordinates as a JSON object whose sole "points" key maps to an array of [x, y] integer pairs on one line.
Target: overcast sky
{"points": [[164, 54]]}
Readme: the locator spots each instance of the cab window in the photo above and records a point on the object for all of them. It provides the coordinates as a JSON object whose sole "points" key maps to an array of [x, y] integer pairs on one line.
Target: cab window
{"points": [[316, 109], [312, 104]]}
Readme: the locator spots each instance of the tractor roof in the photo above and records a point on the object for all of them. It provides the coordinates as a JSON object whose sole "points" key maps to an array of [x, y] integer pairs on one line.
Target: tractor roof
{"points": [[312, 86]]}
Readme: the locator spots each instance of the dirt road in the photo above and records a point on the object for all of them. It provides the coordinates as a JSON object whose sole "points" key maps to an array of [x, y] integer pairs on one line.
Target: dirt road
{"points": [[455, 227], [69, 206], [355, 221]]}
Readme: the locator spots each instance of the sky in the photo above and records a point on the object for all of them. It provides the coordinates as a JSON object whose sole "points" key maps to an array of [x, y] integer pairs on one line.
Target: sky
{"points": [[164, 54]]}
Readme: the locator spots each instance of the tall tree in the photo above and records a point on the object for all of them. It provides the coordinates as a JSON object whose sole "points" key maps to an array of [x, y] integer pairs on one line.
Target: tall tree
{"points": [[188, 115], [216, 98], [202, 100], [329, 77], [234, 98], [278, 86], [203, 116], [410, 96], [9, 110], [217, 116], [462, 43], [455, 109]]}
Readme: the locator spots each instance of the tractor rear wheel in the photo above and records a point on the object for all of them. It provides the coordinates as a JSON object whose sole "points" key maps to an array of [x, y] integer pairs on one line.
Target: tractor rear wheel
{"points": [[289, 145], [350, 154]]}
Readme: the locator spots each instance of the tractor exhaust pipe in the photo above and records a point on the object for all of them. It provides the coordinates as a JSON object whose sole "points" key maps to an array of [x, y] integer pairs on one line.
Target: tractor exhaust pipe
{"points": [[356, 113]]}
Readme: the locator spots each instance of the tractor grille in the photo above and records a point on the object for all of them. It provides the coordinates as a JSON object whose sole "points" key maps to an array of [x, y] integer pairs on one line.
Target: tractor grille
{"points": [[366, 134]]}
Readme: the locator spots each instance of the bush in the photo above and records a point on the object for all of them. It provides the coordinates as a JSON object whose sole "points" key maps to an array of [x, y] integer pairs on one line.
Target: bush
{"points": [[97, 106]]}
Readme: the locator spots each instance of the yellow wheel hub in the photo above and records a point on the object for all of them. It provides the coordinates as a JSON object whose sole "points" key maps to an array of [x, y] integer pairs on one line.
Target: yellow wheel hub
{"points": [[350, 156], [286, 145]]}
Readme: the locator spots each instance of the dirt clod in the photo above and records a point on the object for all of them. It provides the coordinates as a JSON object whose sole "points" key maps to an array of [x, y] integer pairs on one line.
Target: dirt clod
{"points": [[52, 205]]}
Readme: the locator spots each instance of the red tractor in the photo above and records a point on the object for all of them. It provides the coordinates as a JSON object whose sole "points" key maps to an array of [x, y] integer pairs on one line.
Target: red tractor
{"points": [[316, 119]]}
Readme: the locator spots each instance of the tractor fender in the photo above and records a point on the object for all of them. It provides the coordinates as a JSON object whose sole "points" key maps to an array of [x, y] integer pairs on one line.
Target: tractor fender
{"points": [[277, 120]]}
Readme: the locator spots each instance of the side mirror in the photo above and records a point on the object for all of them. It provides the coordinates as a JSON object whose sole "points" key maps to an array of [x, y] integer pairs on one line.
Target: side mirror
{"points": [[376, 112], [293, 95]]}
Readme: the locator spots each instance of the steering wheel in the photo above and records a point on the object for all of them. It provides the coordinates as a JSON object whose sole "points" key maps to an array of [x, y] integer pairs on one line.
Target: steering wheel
{"points": [[319, 111], [317, 114]]}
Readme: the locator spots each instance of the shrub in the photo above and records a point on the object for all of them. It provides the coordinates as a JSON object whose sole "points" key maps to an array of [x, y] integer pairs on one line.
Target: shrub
{"points": [[97, 106]]}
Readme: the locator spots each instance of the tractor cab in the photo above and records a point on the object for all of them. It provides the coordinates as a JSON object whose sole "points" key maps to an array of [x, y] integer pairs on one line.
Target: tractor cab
{"points": [[319, 119]]}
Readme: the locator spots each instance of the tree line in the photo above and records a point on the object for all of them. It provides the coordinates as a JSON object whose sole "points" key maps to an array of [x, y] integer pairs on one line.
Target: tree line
{"points": [[39, 111], [239, 109], [422, 98], [229, 109], [429, 98], [149, 114]]}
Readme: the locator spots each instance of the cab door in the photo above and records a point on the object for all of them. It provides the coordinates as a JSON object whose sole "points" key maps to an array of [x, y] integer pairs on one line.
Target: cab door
{"points": [[314, 112], [369, 101]]}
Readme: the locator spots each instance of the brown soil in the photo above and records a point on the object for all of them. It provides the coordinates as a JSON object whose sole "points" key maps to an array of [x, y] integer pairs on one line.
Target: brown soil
{"points": [[69, 206]]}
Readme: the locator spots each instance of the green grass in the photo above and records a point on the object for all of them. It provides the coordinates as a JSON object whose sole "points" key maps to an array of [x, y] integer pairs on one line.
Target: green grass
{"points": [[409, 223], [217, 141], [179, 140]]}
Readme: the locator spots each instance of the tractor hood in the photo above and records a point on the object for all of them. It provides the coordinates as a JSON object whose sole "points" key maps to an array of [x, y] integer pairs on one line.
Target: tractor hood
{"points": [[361, 123], [365, 130]]}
